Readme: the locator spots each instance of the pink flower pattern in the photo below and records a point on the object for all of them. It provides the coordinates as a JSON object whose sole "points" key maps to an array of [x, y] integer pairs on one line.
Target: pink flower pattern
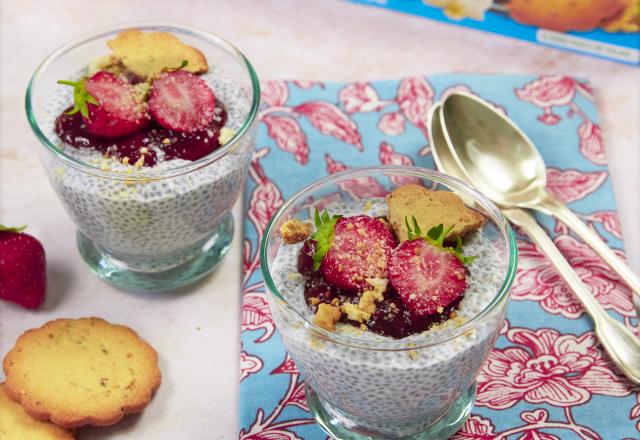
{"points": [[248, 365], [571, 185], [389, 156], [391, 123], [415, 96], [288, 136], [360, 97], [547, 367], [591, 143], [532, 366], [537, 280], [330, 120], [357, 188]]}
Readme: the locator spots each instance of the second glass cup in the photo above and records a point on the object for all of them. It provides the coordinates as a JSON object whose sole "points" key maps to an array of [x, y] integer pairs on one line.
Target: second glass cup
{"points": [[161, 227], [361, 385]]}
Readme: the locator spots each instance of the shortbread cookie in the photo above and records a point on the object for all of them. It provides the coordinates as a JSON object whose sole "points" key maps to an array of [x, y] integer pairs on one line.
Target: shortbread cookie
{"points": [[148, 53], [430, 208], [16, 424], [76, 372], [564, 15]]}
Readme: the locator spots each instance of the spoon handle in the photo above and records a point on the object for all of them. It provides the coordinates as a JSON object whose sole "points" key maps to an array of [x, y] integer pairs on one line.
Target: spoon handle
{"points": [[553, 206], [623, 347]]}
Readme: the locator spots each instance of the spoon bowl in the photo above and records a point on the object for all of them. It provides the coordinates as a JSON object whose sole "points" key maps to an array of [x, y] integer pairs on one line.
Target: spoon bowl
{"points": [[499, 158], [623, 347], [494, 155]]}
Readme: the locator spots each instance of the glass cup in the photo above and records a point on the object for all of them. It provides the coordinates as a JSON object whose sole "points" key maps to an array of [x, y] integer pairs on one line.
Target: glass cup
{"points": [[362, 385], [156, 228]]}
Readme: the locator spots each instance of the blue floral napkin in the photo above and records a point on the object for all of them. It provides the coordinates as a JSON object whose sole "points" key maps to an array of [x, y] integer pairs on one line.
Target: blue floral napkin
{"points": [[547, 378]]}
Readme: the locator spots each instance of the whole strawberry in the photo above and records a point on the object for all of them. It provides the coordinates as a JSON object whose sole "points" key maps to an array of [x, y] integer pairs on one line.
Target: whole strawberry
{"points": [[23, 277]]}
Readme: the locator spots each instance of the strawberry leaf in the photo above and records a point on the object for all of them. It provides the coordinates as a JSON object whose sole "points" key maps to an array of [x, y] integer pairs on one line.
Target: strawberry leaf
{"points": [[81, 97], [436, 236], [4, 228], [182, 65], [323, 235]]}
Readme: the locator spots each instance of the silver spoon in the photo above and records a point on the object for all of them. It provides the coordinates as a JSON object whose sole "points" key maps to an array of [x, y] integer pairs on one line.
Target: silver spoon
{"points": [[623, 347], [504, 164]]}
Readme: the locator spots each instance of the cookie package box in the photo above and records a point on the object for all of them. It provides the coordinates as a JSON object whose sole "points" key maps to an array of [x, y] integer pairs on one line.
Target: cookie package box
{"points": [[604, 28]]}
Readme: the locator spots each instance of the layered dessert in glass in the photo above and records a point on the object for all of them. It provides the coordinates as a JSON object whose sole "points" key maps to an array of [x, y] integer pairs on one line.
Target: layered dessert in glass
{"points": [[148, 133], [389, 306]]}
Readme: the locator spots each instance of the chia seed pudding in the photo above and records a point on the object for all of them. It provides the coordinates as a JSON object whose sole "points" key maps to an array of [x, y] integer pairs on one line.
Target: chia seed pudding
{"points": [[157, 224], [379, 391], [154, 194]]}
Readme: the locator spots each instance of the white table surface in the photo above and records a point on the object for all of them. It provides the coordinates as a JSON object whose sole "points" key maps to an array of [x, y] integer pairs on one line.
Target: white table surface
{"points": [[196, 330]]}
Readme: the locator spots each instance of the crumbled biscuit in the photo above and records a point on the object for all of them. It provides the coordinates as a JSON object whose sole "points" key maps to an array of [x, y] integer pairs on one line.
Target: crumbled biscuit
{"points": [[413, 354], [327, 316], [354, 313], [368, 300], [226, 134], [147, 54], [16, 424], [430, 209], [295, 231]]}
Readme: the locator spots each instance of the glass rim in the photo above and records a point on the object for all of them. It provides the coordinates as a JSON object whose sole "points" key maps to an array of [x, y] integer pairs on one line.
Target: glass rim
{"points": [[167, 26], [395, 344]]}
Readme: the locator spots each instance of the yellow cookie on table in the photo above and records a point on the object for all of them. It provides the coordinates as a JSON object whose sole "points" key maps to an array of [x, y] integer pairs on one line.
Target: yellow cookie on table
{"points": [[148, 53], [16, 424], [77, 372]]}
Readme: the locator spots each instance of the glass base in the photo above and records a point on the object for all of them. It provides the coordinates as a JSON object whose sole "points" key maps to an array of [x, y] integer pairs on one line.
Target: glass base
{"points": [[442, 430], [116, 273]]}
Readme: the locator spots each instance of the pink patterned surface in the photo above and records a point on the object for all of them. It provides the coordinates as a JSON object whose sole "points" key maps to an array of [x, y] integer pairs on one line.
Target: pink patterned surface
{"points": [[547, 366]]}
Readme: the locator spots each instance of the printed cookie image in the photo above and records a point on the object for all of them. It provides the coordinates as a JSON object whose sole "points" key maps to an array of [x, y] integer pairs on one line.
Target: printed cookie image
{"points": [[77, 372], [564, 15], [626, 21], [16, 424]]}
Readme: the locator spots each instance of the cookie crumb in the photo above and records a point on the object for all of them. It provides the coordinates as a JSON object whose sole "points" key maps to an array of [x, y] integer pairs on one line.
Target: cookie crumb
{"points": [[327, 316], [295, 231]]}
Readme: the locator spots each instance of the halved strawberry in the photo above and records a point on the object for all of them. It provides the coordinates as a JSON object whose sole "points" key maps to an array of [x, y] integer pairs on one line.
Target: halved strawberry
{"points": [[359, 250], [181, 101], [426, 277], [120, 108]]}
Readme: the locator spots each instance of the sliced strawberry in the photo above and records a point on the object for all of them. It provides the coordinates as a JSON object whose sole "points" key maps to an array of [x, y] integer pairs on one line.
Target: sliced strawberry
{"points": [[120, 108], [359, 250], [181, 101], [426, 277], [22, 268]]}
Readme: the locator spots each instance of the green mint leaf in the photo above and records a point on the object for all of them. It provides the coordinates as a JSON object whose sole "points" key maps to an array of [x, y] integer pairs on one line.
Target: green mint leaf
{"points": [[182, 65], [4, 228], [436, 236], [410, 235], [81, 97], [323, 235], [416, 228], [435, 232]]}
